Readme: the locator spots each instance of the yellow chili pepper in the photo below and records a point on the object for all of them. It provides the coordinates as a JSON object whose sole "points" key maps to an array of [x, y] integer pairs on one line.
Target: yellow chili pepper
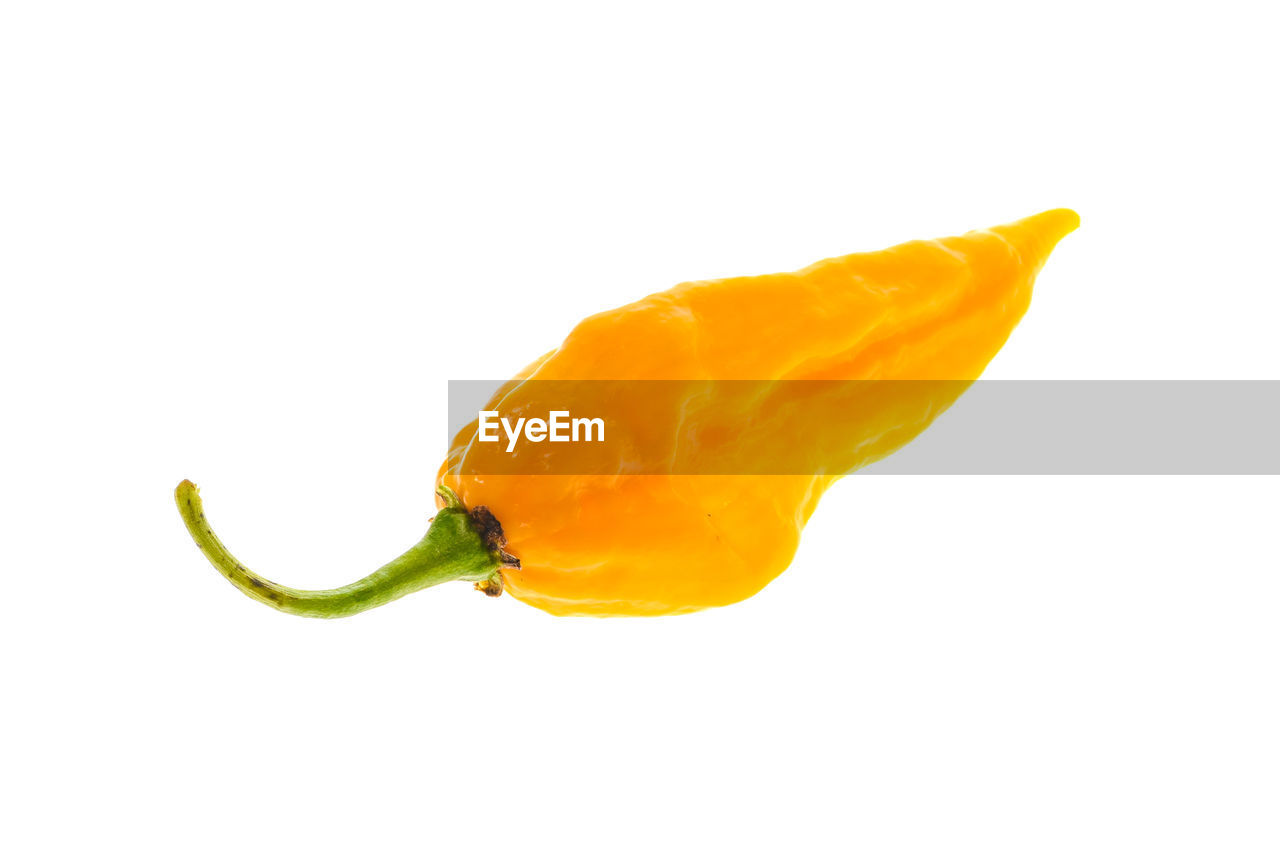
{"points": [[613, 543]]}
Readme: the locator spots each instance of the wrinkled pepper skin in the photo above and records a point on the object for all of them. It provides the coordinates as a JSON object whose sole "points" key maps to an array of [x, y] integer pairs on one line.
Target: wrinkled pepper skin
{"points": [[616, 543], [629, 545]]}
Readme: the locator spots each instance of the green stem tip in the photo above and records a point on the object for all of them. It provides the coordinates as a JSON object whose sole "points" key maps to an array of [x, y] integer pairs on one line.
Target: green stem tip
{"points": [[459, 545]]}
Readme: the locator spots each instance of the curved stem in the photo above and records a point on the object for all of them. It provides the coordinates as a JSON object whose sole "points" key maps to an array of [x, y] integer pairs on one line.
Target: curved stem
{"points": [[453, 549]]}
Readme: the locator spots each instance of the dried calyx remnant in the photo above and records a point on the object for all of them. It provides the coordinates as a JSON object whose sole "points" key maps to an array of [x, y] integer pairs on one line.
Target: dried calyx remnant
{"points": [[490, 530]]}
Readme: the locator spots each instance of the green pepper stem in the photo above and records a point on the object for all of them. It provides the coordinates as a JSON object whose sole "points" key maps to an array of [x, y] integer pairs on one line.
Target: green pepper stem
{"points": [[454, 549]]}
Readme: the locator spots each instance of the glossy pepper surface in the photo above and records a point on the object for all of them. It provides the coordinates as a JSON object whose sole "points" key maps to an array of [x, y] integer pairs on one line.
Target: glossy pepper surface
{"points": [[618, 544]]}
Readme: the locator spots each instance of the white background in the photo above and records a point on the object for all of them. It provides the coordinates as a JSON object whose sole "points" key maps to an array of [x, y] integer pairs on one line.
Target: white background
{"points": [[249, 242]]}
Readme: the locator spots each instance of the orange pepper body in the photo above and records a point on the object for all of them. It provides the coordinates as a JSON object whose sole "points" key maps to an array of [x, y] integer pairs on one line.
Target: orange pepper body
{"points": [[626, 545]]}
